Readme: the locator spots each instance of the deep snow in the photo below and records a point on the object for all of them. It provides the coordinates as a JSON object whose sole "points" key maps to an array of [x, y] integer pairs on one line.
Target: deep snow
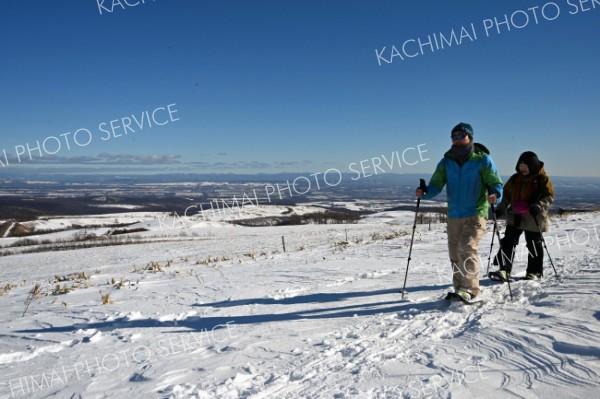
{"points": [[227, 314]]}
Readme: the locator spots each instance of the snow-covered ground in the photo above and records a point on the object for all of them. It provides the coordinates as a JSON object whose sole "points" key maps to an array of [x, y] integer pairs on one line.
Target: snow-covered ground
{"points": [[226, 313]]}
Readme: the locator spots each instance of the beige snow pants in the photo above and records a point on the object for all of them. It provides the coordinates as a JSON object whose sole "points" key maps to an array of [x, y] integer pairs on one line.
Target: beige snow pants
{"points": [[464, 235]]}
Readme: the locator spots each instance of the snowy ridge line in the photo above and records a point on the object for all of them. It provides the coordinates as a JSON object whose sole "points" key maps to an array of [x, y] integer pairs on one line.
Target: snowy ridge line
{"points": [[338, 244], [70, 246]]}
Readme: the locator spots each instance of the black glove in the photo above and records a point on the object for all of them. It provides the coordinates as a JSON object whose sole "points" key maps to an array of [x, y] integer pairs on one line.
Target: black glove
{"points": [[423, 185], [535, 209]]}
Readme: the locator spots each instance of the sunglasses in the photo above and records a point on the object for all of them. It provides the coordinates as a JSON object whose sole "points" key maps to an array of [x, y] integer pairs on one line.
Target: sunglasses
{"points": [[458, 136]]}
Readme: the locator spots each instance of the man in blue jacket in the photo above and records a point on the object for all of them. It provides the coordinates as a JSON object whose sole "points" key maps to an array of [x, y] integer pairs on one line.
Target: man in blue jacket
{"points": [[467, 171]]}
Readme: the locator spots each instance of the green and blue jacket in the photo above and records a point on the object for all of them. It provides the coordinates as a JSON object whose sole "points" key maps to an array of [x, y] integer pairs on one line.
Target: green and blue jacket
{"points": [[466, 185]]}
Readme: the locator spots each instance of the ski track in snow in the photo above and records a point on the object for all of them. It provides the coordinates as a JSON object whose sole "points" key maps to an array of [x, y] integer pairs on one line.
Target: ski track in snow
{"points": [[324, 320]]}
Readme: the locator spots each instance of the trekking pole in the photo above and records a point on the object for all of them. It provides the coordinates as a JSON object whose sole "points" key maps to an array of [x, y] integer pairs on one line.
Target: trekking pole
{"points": [[491, 247], [490, 191], [545, 246], [422, 186]]}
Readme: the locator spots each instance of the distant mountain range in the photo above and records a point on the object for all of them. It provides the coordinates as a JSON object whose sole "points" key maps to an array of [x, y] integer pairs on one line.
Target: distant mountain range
{"points": [[42, 195]]}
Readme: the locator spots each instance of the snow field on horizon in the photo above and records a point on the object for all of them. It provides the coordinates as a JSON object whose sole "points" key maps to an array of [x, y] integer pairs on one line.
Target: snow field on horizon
{"points": [[324, 319]]}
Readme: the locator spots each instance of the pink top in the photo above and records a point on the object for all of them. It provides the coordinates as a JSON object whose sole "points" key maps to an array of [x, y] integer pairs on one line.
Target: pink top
{"points": [[521, 207]]}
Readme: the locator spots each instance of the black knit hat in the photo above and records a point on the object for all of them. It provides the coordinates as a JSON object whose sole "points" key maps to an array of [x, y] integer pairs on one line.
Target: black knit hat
{"points": [[463, 127], [532, 161]]}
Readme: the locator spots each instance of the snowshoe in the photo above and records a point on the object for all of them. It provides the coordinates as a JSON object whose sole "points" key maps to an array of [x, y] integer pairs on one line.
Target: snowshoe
{"points": [[500, 275], [462, 296]]}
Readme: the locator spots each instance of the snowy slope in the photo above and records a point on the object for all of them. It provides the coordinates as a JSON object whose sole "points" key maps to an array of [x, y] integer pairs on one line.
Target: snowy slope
{"points": [[228, 314]]}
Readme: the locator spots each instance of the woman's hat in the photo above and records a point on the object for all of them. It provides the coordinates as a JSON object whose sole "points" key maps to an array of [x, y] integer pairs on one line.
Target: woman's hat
{"points": [[532, 161]]}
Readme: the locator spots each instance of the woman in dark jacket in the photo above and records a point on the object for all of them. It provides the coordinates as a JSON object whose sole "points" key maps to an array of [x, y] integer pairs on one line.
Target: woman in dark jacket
{"points": [[528, 195]]}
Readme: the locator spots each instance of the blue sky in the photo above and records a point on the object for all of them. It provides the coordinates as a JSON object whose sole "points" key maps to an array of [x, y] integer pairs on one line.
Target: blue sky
{"points": [[296, 86]]}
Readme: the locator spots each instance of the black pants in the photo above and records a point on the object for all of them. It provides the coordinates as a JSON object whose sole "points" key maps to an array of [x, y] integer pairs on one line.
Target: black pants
{"points": [[506, 254]]}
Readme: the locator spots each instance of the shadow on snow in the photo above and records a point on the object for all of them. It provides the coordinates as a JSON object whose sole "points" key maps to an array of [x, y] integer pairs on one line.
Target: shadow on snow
{"points": [[209, 323]]}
